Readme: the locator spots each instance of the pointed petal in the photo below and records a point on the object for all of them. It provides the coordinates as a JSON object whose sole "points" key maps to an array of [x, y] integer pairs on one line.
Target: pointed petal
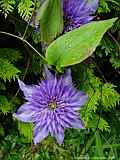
{"points": [[74, 120], [60, 135], [77, 100], [40, 134], [92, 5], [25, 113], [47, 74], [77, 124], [84, 7], [53, 86], [70, 119], [27, 89], [78, 7], [66, 78]]}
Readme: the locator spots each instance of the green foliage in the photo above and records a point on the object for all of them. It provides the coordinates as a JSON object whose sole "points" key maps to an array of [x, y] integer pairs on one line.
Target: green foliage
{"points": [[101, 138], [36, 65], [99, 147], [2, 86], [97, 122], [115, 61], [12, 55], [7, 70], [26, 129], [2, 133], [116, 27], [7, 6], [103, 7], [77, 45], [106, 5], [25, 9], [51, 20], [101, 96], [9, 56], [36, 37], [14, 147], [109, 46], [110, 98], [5, 106]]}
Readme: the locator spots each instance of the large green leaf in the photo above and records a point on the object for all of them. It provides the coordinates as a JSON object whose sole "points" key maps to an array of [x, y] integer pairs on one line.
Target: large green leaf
{"points": [[51, 20], [77, 45]]}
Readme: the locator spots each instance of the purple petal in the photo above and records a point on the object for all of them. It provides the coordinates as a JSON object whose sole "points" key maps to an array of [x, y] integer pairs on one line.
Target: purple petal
{"points": [[76, 101], [80, 7], [78, 12], [60, 134], [28, 90], [77, 124], [40, 134], [92, 5], [53, 86], [25, 113], [71, 121], [47, 74], [67, 79]]}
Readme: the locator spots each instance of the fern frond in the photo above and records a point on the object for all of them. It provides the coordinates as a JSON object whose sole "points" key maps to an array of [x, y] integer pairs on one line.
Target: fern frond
{"points": [[116, 26], [110, 97], [92, 87], [98, 122], [107, 97], [110, 47], [103, 125], [10, 54], [7, 6], [25, 9], [7, 70], [94, 99], [115, 60], [92, 82], [103, 7], [5, 106]]}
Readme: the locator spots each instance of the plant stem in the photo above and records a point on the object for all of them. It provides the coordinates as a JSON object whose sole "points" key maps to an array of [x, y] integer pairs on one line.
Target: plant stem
{"points": [[26, 42]]}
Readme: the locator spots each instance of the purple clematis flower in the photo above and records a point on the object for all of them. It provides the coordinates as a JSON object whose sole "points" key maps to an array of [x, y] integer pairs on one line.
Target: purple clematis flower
{"points": [[78, 12], [52, 106], [75, 13]]}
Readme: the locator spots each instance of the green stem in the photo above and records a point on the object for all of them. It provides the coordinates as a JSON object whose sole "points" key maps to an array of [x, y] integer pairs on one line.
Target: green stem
{"points": [[29, 22], [26, 30], [26, 42]]}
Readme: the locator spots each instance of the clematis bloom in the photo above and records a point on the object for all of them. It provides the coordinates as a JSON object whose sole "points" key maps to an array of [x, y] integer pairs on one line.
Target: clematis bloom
{"points": [[78, 12], [75, 13], [52, 106]]}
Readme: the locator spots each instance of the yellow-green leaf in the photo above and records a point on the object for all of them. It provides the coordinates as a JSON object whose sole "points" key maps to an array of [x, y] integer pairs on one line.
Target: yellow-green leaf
{"points": [[77, 45]]}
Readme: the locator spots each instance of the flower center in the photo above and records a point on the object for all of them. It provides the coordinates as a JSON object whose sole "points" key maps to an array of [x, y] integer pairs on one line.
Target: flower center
{"points": [[52, 105]]}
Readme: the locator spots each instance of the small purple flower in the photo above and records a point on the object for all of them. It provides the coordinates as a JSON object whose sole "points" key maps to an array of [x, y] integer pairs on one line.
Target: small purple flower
{"points": [[52, 106], [78, 12]]}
